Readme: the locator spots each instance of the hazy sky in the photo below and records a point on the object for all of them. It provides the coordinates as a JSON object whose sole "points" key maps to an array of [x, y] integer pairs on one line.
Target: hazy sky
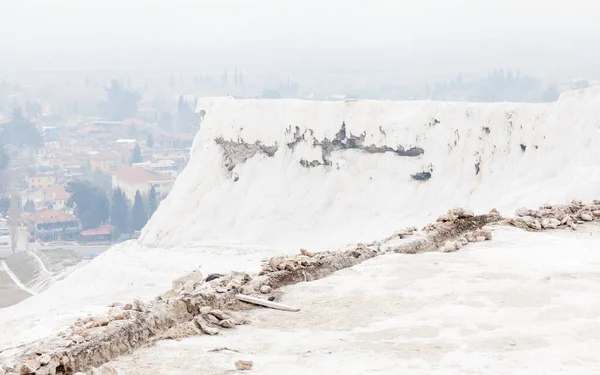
{"points": [[443, 34]]}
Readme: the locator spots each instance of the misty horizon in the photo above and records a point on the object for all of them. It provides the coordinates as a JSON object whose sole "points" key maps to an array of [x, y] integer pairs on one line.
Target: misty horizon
{"points": [[431, 37]]}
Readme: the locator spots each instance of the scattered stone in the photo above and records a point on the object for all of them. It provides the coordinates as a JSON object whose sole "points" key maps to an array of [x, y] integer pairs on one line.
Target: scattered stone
{"points": [[77, 338], [220, 289], [553, 223], [443, 218], [117, 314], [45, 371], [201, 323], [139, 306], [244, 365], [449, 247], [534, 224], [545, 223], [265, 289], [44, 359], [486, 234], [213, 276], [462, 213], [188, 287], [219, 314], [307, 253], [570, 223], [29, 367], [429, 227], [522, 212], [227, 323], [586, 216]]}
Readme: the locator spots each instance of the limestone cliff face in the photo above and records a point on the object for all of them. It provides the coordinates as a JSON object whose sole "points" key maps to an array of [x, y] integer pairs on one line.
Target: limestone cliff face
{"points": [[290, 173]]}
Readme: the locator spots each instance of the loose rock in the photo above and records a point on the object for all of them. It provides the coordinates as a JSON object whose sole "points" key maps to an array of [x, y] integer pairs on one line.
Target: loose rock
{"points": [[28, 367], [265, 289], [522, 212], [44, 359], [227, 323], [205, 327], [244, 365], [307, 253]]}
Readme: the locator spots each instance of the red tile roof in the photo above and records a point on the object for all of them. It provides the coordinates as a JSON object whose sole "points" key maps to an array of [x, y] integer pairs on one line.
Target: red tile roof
{"points": [[102, 230], [51, 216], [136, 175]]}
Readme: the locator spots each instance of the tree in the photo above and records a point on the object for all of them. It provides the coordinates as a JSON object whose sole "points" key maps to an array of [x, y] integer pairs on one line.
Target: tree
{"points": [[165, 120], [152, 202], [115, 235], [33, 110], [20, 132], [29, 206], [119, 211], [551, 94], [90, 203], [136, 155], [139, 216], [187, 119], [150, 140], [581, 84], [121, 103]]}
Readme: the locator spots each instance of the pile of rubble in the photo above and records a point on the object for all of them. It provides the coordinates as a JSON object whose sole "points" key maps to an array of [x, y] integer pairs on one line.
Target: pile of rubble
{"points": [[205, 305], [553, 217]]}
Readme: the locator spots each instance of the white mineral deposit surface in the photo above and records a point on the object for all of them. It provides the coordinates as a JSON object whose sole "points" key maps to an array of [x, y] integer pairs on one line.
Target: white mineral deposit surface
{"points": [[523, 303]]}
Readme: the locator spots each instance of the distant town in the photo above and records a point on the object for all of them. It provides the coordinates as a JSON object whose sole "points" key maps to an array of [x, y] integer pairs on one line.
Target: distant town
{"points": [[86, 179]]}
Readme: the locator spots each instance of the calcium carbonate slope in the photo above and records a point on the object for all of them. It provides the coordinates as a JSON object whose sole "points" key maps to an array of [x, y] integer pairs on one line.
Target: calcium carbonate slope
{"points": [[527, 154], [212, 221]]}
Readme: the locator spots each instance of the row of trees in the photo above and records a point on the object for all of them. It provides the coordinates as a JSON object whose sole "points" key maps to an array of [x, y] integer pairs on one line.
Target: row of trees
{"points": [[94, 207], [500, 85], [125, 217], [20, 132]]}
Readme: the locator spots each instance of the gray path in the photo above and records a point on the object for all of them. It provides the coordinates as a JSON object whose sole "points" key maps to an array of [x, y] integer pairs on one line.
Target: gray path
{"points": [[10, 293]]}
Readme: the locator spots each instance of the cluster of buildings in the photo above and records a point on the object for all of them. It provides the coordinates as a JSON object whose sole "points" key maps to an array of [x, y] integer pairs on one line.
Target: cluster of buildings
{"points": [[93, 147]]}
